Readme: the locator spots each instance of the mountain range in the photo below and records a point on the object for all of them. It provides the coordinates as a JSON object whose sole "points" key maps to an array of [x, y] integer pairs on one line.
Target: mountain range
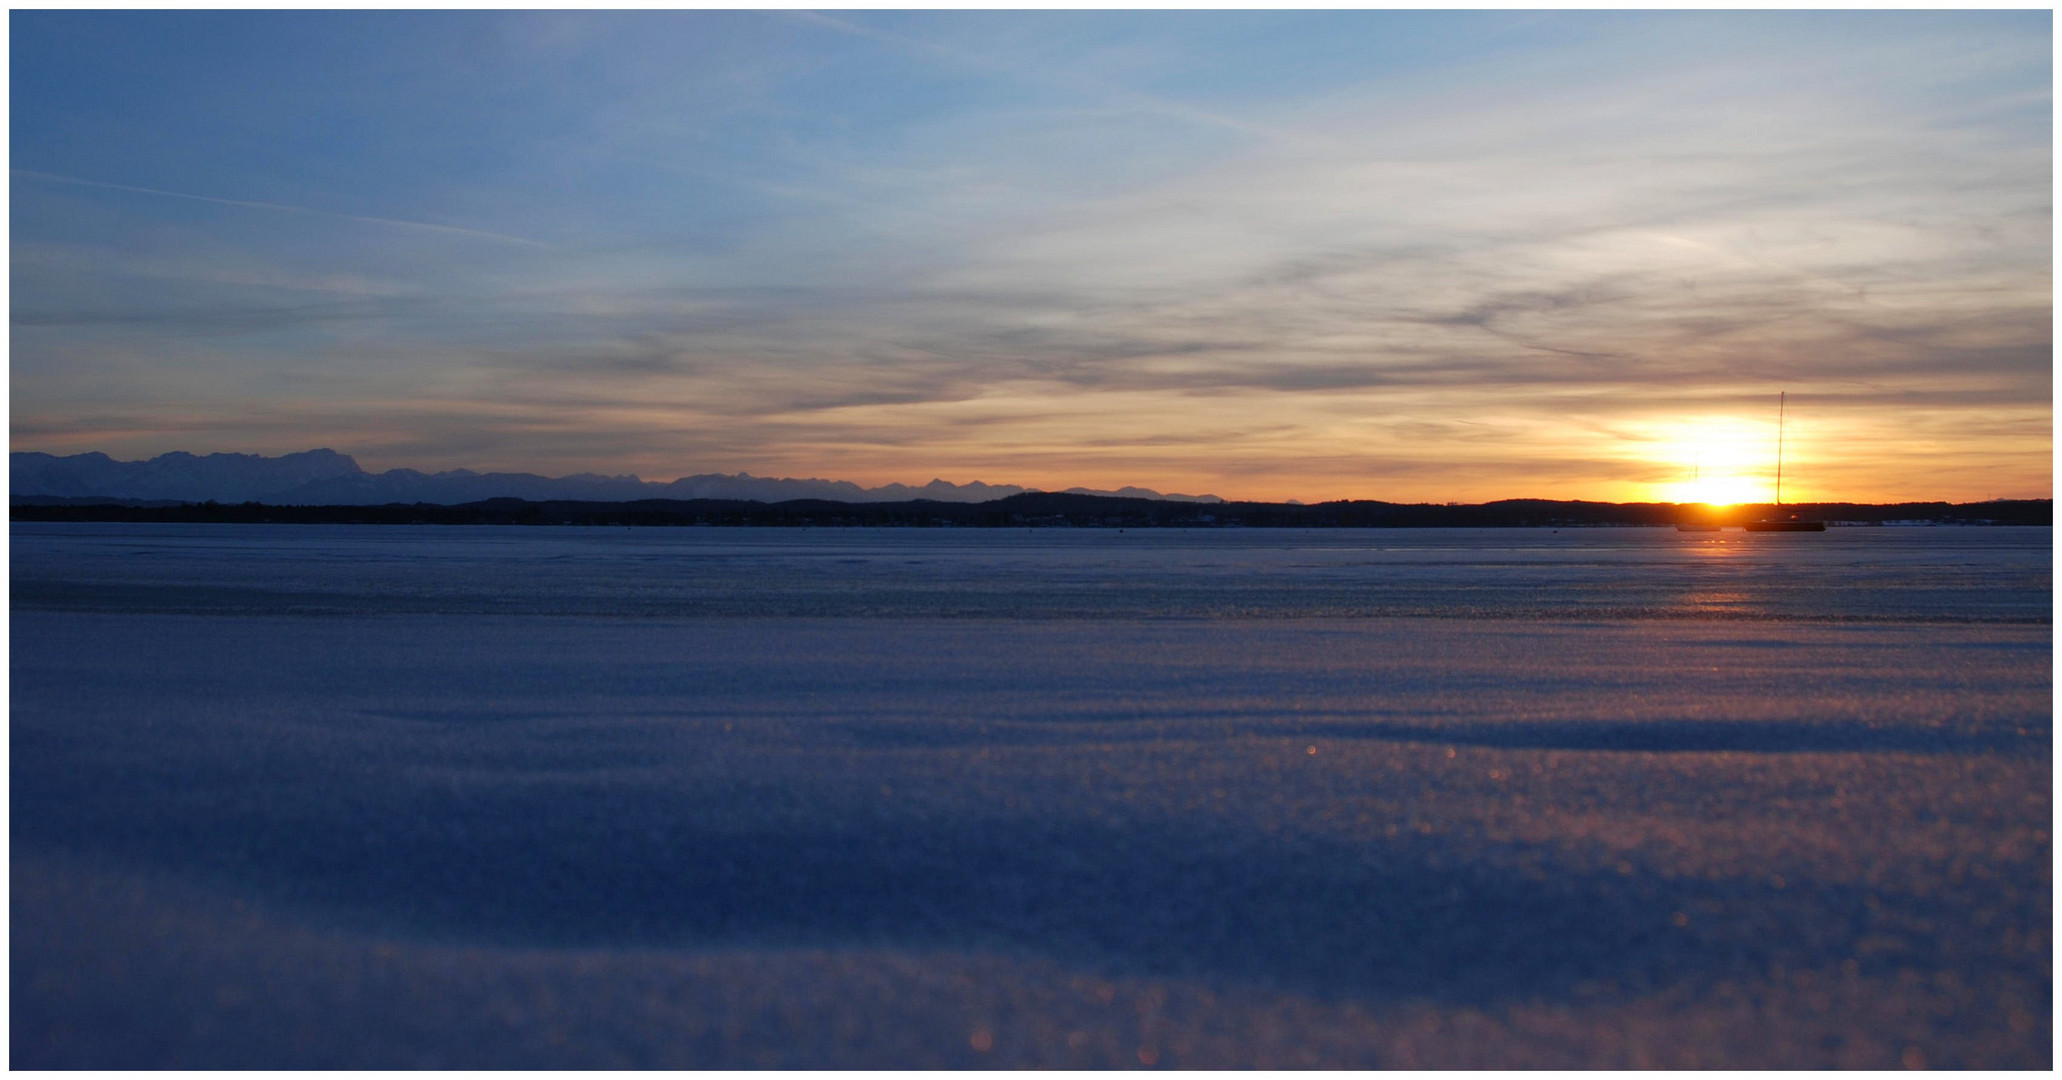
{"points": [[327, 478]]}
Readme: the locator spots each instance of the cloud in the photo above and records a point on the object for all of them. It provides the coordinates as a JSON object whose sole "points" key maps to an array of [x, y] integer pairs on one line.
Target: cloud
{"points": [[1407, 274], [1105, 90], [444, 230]]}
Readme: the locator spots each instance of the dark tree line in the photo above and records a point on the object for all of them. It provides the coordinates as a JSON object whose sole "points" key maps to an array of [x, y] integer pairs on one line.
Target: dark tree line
{"points": [[1034, 509]]}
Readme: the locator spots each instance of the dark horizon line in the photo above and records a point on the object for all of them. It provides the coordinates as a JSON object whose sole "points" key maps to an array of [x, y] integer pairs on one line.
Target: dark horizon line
{"points": [[1034, 509]]}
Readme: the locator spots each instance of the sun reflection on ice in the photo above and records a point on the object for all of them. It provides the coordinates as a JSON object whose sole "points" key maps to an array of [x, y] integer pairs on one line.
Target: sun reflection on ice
{"points": [[1714, 546]]}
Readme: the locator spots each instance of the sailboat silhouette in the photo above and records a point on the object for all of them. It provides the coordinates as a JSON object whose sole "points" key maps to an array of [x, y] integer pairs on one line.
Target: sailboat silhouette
{"points": [[1778, 524]]}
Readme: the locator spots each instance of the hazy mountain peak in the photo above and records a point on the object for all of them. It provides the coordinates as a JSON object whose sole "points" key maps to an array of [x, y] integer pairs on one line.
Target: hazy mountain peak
{"points": [[325, 477]]}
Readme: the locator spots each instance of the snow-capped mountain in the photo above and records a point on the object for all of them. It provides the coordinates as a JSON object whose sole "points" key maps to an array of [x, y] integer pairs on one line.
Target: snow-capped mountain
{"points": [[325, 477]]}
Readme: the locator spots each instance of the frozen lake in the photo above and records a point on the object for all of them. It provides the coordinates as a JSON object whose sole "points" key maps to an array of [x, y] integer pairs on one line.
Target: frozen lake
{"points": [[365, 796], [1867, 574]]}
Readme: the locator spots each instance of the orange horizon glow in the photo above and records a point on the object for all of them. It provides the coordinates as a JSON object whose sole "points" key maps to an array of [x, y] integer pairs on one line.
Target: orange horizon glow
{"points": [[1419, 447]]}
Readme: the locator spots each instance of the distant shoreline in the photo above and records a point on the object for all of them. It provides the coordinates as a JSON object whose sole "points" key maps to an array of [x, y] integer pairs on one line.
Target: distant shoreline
{"points": [[1037, 509]]}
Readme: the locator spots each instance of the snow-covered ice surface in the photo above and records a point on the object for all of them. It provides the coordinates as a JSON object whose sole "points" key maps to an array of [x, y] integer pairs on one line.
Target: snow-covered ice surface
{"points": [[554, 797]]}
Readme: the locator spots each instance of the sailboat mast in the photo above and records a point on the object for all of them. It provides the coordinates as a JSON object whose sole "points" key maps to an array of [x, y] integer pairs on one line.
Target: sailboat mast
{"points": [[1779, 445], [1775, 522]]}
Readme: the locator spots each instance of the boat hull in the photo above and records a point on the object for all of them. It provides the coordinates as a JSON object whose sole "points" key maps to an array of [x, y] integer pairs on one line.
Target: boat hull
{"points": [[1786, 526]]}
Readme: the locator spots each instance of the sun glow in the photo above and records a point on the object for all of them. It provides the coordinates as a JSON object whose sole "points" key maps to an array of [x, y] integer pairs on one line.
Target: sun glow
{"points": [[1720, 462]]}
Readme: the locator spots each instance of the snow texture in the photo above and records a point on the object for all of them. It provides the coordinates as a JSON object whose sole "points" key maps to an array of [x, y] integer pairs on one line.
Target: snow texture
{"points": [[475, 797]]}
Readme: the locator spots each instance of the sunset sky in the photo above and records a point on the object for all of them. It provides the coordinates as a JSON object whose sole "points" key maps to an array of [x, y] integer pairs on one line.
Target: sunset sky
{"points": [[1390, 255]]}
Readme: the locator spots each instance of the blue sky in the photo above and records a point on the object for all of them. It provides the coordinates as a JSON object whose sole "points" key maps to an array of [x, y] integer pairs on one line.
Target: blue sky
{"points": [[1372, 254]]}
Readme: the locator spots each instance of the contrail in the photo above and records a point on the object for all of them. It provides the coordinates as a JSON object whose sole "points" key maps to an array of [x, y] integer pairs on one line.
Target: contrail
{"points": [[1068, 79], [451, 229]]}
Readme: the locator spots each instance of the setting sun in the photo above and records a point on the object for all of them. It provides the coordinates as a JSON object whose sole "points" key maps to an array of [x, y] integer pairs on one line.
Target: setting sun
{"points": [[1720, 462]]}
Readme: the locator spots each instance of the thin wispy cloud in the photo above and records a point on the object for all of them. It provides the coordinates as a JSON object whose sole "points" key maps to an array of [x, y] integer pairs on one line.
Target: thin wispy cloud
{"points": [[1071, 80], [248, 204]]}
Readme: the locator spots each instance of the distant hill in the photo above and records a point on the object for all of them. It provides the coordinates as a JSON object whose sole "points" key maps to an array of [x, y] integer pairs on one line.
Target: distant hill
{"points": [[327, 478]]}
